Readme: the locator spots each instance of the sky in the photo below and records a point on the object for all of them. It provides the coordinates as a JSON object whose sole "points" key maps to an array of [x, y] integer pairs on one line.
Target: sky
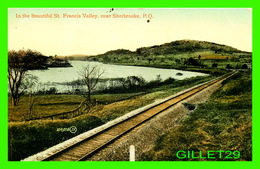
{"points": [[65, 36]]}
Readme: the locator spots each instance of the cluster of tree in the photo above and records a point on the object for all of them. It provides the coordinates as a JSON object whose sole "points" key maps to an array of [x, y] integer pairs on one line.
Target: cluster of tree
{"points": [[135, 84], [228, 66], [58, 62], [118, 52], [244, 66], [192, 61], [19, 62]]}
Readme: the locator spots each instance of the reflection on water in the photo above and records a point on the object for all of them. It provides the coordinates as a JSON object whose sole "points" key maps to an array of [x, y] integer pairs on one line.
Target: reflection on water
{"points": [[48, 78]]}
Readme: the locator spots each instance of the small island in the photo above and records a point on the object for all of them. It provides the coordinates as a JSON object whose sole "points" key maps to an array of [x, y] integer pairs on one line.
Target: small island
{"points": [[179, 74], [54, 61]]}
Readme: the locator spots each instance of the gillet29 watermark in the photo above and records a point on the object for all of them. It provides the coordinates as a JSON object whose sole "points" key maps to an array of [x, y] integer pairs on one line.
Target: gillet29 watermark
{"points": [[210, 154]]}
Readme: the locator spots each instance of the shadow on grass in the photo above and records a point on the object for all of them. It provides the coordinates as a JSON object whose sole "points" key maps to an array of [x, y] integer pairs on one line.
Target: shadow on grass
{"points": [[57, 104]]}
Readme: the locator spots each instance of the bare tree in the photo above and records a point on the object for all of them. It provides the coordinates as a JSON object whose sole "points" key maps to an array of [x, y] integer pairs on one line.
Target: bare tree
{"points": [[28, 83], [91, 77]]}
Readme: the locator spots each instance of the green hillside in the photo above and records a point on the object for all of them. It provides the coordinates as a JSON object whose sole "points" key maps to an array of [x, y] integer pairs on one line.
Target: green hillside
{"points": [[181, 54], [183, 46]]}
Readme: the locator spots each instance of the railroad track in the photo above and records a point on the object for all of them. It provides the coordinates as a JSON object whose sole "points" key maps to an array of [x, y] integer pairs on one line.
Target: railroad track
{"points": [[86, 148]]}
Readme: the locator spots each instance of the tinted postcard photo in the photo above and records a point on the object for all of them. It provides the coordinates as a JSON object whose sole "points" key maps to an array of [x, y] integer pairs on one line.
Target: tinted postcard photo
{"points": [[129, 84]]}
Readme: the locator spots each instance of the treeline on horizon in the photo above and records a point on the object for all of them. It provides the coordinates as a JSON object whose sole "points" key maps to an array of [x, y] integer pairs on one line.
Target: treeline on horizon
{"points": [[29, 59], [175, 47]]}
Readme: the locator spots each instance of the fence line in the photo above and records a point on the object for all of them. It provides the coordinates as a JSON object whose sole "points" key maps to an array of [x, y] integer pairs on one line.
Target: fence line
{"points": [[76, 112]]}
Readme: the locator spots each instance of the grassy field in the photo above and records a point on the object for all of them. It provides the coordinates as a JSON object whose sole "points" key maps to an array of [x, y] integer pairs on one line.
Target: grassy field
{"points": [[53, 104], [46, 105], [27, 138], [223, 123]]}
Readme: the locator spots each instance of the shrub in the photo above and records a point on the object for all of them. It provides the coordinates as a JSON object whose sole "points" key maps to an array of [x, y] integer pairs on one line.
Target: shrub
{"points": [[244, 66], [28, 138], [229, 66], [215, 65]]}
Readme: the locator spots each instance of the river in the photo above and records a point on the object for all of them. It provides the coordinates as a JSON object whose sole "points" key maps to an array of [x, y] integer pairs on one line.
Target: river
{"points": [[52, 76]]}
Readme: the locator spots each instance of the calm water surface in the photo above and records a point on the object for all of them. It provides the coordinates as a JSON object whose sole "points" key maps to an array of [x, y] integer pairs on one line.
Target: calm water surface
{"points": [[111, 71]]}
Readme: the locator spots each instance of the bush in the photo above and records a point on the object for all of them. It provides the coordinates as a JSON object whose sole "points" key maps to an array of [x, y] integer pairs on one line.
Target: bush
{"points": [[237, 84], [28, 138], [168, 81], [244, 66], [214, 65], [52, 90], [192, 61], [229, 66]]}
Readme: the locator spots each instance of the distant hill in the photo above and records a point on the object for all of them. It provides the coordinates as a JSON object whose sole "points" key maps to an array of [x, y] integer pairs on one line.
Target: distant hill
{"points": [[77, 55], [119, 51], [172, 48], [71, 56], [183, 46], [180, 54]]}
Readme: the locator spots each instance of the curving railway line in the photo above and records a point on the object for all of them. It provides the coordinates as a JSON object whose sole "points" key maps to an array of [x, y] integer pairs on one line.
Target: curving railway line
{"points": [[86, 148]]}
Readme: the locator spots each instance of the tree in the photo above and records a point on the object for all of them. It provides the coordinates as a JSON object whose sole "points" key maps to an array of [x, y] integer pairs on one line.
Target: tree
{"points": [[244, 66], [214, 65], [28, 83], [192, 61], [149, 60], [91, 76], [132, 81], [200, 62], [229, 66], [19, 62], [178, 61]]}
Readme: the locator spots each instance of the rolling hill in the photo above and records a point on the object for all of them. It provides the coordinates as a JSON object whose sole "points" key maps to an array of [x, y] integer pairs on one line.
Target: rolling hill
{"points": [[179, 54], [176, 47]]}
